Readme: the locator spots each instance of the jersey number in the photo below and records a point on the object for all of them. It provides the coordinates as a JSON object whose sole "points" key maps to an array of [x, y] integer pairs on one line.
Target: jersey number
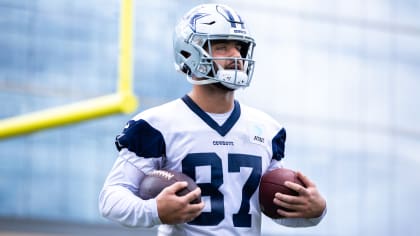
{"points": [[235, 161]]}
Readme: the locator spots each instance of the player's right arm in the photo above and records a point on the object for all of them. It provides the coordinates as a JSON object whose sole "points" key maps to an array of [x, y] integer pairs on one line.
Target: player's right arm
{"points": [[141, 148], [118, 200]]}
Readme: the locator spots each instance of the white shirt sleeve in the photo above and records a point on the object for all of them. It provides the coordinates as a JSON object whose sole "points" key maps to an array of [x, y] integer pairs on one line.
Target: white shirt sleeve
{"points": [[118, 200], [300, 222]]}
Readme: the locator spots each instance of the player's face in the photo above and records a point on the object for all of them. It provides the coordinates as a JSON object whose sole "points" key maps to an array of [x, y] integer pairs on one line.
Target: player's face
{"points": [[227, 49]]}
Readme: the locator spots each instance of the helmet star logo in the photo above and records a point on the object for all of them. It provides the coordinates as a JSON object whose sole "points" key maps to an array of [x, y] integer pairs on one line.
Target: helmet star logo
{"points": [[194, 18]]}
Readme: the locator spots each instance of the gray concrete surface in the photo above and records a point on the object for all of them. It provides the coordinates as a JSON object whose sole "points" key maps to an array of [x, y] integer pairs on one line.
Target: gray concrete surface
{"points": [[19, 227]]}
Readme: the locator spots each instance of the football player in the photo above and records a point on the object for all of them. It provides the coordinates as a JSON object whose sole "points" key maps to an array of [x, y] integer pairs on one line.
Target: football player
{"points": [[224, 145]]}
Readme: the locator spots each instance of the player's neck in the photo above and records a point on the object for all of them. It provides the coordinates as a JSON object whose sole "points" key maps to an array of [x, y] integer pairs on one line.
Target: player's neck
{"points": [[212, 99]]}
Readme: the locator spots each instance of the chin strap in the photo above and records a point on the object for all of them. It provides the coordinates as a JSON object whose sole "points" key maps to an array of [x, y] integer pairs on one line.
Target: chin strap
{"points": [[233, 79], [201, 82]]}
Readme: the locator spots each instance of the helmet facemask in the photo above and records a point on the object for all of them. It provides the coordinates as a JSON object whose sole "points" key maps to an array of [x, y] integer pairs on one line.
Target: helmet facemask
{"points": [[210, 71]]}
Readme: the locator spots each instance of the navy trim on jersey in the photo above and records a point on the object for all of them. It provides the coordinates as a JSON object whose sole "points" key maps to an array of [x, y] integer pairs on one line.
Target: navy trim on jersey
{"points": [[278, 144], [141, 138], [222, 130]]}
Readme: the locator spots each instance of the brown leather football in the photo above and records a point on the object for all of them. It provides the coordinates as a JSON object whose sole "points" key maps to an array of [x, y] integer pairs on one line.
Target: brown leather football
{"points": [[155, 181], [273, 182]]}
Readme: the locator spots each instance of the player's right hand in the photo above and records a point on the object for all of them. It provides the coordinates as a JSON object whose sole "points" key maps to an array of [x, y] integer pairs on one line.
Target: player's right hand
{"points": [[174, 209]]}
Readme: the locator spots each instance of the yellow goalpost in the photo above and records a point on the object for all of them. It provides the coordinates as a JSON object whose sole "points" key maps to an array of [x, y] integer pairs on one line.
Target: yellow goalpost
{"points": [[123, 101]]}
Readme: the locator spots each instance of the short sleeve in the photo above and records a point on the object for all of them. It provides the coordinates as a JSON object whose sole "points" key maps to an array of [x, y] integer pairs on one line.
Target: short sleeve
{"points": [[278, 144], [141, 138]]}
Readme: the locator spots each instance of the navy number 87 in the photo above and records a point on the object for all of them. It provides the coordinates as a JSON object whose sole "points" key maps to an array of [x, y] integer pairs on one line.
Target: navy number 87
{"points": [[235, 161]]}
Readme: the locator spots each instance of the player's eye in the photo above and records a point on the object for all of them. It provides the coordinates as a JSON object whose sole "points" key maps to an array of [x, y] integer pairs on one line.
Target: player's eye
{"points": [[220, 47]]}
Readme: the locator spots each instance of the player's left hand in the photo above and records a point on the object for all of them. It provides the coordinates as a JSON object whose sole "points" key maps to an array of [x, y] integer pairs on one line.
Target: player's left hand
{"points": [[308, 204]]}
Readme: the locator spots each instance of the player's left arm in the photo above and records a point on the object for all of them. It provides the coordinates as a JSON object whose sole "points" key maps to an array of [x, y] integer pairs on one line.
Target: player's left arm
{"points": [[307, 209]]}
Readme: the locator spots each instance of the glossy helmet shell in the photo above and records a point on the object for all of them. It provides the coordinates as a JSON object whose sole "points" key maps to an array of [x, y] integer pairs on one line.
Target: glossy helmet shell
{"points": [[195, 32]]}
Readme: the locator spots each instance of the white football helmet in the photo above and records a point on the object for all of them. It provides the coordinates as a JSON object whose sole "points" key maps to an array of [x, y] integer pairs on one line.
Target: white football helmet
{"points": [[195, 32]]}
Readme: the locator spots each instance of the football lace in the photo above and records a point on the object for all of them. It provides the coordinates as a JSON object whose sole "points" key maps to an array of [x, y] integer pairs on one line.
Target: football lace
{"points": [[162, 173]]}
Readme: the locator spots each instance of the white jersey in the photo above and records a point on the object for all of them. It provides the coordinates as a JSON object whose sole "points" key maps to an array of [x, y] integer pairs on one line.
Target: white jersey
{"points": [[226, 161]]}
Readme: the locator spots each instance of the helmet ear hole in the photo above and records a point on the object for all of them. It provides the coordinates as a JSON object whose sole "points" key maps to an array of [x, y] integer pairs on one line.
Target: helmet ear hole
{"points": [[185, 54], [185, 68]]}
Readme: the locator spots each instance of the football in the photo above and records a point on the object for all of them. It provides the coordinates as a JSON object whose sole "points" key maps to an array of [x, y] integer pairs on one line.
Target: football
{"points": [[273, 182], [155, 181]]}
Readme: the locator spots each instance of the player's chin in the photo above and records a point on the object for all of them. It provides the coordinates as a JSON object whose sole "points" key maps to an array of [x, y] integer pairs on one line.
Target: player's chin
{"points": [[222, 87]]}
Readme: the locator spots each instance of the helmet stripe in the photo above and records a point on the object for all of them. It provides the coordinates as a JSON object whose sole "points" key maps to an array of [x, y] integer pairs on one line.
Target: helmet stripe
{"points": [[230, 16], [242, 23]]}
